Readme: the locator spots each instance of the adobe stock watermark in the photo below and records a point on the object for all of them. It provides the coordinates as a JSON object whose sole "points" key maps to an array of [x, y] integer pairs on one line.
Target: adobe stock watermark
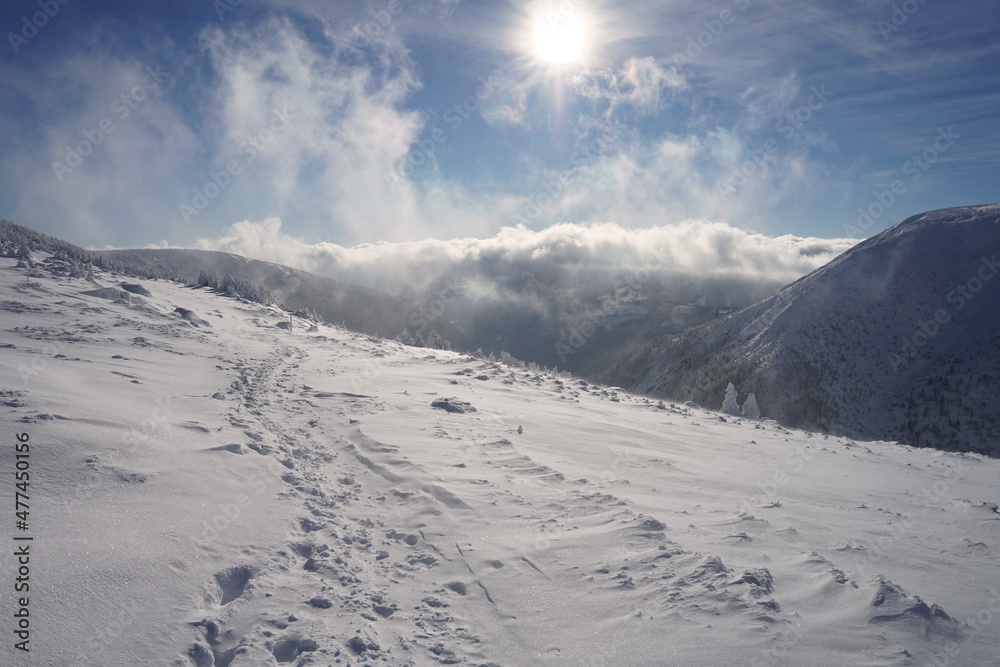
{"points": [[148, 432], [556, 186], [30, 27], [117, 620], [958, 298], [790, 126], [52, 348], [795, 460], [227, 514], [624, 461], [714, 29], [223, 178], [460, 112], [434, 308], [778, 651], [933, 495], [223, 7], [369, 31], [900, 16], [575, 337], [122, 107], [979, 623], [423, 151], [565, 11], [915, 168], [708, 380], [605, 653], [492, 426]]}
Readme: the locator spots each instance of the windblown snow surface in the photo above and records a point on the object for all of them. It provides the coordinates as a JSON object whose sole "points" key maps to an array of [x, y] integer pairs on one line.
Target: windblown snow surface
{"points": [[234, 493]]}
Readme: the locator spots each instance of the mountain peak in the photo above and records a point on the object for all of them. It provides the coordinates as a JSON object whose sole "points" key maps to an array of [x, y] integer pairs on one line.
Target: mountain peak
{"points": [[895, 339], [943, 217]]}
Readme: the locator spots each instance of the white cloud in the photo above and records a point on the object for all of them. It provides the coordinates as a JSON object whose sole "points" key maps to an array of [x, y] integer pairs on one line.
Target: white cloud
{"points": [[637, 89], [343, 161], [643, 82], [338, 167], [102, 129], [764, 104], [696, 249]]}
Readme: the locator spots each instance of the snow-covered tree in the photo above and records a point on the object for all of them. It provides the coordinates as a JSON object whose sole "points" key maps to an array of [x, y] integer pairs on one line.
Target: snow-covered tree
{"points": [[418, 341], [435, 341], [209, 279], [508, 360], [750, 408], [729, 405], [406, 338]]}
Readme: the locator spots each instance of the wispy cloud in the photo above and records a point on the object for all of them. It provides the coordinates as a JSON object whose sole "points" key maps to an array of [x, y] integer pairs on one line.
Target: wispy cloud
{"points": [[108, 130], [632, 135], [639, 87]]}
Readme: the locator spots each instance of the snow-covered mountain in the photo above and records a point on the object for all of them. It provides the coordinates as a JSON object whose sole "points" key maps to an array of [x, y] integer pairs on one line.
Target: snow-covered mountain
{"points": [[898, 338], [203, 488]]}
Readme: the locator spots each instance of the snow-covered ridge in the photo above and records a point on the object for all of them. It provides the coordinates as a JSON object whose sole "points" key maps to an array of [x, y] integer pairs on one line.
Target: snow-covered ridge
{"points": [[359, 308], [209, 489], [895, 339]]}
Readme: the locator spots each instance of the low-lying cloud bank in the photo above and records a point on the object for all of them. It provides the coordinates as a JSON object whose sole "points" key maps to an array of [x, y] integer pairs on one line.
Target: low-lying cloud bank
{"points": [[556, 256], [569, 295]]}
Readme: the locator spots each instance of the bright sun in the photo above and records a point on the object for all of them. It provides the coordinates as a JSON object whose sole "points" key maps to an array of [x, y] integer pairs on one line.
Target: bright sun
{"points": [[559, 38]]}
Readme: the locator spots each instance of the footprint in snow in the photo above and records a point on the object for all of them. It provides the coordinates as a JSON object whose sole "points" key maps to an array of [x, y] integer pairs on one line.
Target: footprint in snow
{"points": [[457, 587], [232, 582]]}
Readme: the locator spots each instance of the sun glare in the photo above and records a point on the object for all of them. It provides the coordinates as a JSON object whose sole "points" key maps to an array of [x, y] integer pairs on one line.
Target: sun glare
{"points": [[559, 38]]}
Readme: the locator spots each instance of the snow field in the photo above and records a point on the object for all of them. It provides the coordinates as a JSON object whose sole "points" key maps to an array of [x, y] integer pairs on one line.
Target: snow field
{"points": [[236, 494]]}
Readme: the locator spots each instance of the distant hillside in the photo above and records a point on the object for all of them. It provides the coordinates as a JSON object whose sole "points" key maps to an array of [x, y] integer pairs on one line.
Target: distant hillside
{"points": [[357, 308], [898, 338], [578, 319], [584, 340]]}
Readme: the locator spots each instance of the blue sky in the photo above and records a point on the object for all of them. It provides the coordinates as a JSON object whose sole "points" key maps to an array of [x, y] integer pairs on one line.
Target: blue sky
{"points": [[129, 124]]}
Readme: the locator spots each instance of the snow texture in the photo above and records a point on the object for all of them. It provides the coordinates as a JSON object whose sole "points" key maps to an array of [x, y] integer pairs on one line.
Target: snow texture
{"points": [[241, 495]]}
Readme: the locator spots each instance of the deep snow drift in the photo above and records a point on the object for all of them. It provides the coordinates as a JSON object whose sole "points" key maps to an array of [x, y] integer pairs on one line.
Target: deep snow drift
{"points": [[215, 490]]}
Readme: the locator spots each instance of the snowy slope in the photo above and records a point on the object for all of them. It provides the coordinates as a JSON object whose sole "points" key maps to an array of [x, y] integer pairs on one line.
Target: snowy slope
{"points": [[897, 338], [232, 493], [359, 308]]}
